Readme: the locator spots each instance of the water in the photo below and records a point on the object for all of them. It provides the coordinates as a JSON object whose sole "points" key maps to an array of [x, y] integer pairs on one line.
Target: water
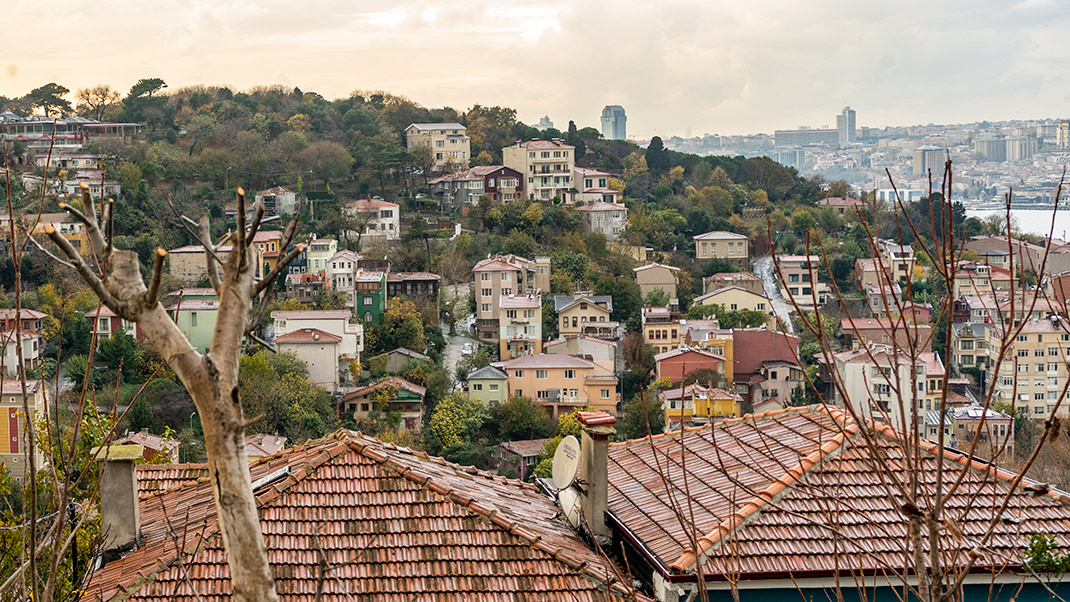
{"points": [[1032, 221]]}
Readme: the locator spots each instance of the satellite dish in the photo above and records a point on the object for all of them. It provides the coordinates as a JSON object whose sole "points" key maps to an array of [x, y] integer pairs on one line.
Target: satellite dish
{"points": [[569, 501], [566, 462]]}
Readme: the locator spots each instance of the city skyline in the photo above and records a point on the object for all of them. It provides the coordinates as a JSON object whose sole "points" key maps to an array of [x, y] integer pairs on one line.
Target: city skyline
{"points": [[714, 68]]}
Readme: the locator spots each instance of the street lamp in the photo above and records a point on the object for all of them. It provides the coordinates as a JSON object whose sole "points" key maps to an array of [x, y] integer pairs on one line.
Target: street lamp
{"points": [[226, 179], [191, 420]]}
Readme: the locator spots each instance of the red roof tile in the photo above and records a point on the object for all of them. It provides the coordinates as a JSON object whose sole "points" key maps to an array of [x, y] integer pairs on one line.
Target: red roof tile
{"points": [[764, 488], [395, 525], [308, 335]]}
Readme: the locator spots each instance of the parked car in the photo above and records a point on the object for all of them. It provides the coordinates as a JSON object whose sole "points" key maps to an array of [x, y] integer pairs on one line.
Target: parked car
{"points": [[467, 350]]}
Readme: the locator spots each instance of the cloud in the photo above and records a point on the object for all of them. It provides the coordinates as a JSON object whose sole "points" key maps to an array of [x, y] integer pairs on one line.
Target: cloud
{"points": [[714, 66]]}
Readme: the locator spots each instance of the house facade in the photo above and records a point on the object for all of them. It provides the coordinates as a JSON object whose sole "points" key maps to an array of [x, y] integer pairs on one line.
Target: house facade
{"points": [[502, 184], [504, 274], [489, 385], [381, 220], [13, 442], [575, 311], [676, 364], [605, 218], [561, 383], [546, 165], [450, 145], [729, 246], [392, 394], [520, 325], [319, 351], [654, 276]]}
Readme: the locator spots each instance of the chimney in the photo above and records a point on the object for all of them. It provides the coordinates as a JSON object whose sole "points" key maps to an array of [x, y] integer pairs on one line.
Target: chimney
{"points": [[597, 428], [120, 517]]}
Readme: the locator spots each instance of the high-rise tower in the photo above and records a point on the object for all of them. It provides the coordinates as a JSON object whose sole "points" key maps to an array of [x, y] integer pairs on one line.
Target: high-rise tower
{"points": [[845, 124], [614, 123]]}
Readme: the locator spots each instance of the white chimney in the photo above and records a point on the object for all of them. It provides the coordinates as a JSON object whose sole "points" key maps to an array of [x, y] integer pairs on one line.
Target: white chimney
{"points": [[120, 517], [597, 428]]}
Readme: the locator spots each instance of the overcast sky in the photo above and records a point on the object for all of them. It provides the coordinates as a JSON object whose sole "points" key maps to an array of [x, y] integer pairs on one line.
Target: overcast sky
{"points": [[710, 65]]}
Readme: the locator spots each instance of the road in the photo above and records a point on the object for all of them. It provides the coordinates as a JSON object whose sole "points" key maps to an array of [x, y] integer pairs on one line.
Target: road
{"points": [[764, 269], [454, 344]]}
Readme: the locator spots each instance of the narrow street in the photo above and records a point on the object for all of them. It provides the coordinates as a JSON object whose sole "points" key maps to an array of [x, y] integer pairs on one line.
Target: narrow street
{"points": [[455, 344], [764, 269]]}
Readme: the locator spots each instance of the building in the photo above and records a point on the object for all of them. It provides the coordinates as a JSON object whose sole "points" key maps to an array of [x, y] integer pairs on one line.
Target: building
{"points": [[575, 311], [521, 455], [360, 506], [106, 323], [370, 296], [1021, 148], [190, 263], [337, 322], [991, 149], [392, 394], [196, 318], [900, 259], [872, 379], [13, 443], [155, 447], [449, 143], [655, 276], [66, 224], [547, 165], [677, 364], [1012, 255], [306, 287], [68, 161], [268, 243], [561, 383], [592, 186], [1033, 373], [378, 219], [489, 385], [544, 124], [604, 353], [728, 246], [604, 218], [806, 137], [764, 366], [318, 254], [929, 159], [31, 349], [845, 127], [520, 325], [504, 274], [342, 273], [800, 282], [464, 188], [661, 328], [319, 351], [1062, 135], [414, 285], [901, 333], [614, 123], [843, 205], [736, 298], [278, 201], [973, 278], [698, 404], [772, 485], [745, 280]]}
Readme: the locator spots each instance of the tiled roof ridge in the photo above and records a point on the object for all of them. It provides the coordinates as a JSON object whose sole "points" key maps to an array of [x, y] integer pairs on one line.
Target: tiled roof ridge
{"points": [[752, 508], [534, 540], [722, 423], [967, 460]]}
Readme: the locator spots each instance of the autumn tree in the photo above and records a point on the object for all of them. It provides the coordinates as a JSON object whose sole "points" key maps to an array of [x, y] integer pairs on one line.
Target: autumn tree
{"points": [[212, 377], [97, 101]]}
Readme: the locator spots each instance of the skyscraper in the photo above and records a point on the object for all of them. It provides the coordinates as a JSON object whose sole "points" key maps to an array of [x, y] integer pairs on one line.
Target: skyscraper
{"points": [[929, 158], [614, 123], [845, 125]]}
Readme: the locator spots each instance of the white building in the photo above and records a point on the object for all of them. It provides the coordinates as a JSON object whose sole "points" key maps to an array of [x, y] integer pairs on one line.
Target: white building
{"points": [[319, 352], [547, 166], [334, 321], [342, 270], [380, 219], [608, 218], [278, 201], [592, 186]]}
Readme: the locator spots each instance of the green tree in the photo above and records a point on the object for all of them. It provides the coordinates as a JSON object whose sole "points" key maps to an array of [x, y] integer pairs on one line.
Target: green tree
{"points": [[454, 421], [119, 351], [657, 156], [643, 415], [520, 419], [49, 98], [656, 298]]}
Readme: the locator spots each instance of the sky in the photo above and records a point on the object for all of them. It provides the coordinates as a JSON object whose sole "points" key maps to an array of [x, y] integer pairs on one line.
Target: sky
{"points": [[709, 65]]}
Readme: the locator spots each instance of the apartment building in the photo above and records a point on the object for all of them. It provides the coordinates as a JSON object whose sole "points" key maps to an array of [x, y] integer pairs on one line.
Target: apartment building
{"points": [[745, 280], [13, 443], [269, 244], [661, 328], [1033, 372], [342, 272], [465, 188], [655, 276], [900, 258], [697, 404], [972, 278], [504, 274], [607, 219], [592, 186], [561, 383], [380, 220], [875, 382], [800, 280], [449, 143], [319, 252], [547, 166], [735, 298], [722, 245], [520, 325], [575, 311]]}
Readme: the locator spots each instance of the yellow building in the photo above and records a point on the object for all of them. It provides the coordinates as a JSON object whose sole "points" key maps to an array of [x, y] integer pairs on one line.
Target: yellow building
{"points": [[735, 298], [722, 245], [451, 148], [574, 311], [697, 404], [561, 383], [66, 224], [661, 328]]}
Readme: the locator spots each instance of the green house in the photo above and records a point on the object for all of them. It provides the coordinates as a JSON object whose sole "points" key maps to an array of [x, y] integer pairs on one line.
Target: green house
{"points": [[196, 319], [370, 296]]}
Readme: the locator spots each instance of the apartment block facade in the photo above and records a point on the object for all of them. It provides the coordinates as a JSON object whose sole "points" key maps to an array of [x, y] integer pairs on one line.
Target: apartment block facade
{"points": [[449, 143], [547, 166], [499, 275]]}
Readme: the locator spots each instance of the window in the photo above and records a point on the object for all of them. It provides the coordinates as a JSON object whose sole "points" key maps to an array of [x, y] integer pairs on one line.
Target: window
{"points": [[367, 316], [793, 277], [882, 389], [484, 292], [484, 276], [1038, 353], [367, 300], [477, 387], [1022, 338], [965, 344], [1053, 395], [1053, 367], [510, 313], [193, 318], [1006, 382], [493, 387], [518, 374], [507, 291], [364, 407], [541, 374], [570, 374], [605, 393], [1023, 353], [1053, 352], [734, 307], [1038, 397], [484, 307], [1023, 367], [1039, 410], [505, 276]]}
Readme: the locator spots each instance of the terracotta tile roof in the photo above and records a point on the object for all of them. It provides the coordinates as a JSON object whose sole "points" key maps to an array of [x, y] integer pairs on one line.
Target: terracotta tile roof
{"points": [[411, 276], [311, 314], [27, 314], [601, 206], [393, 380], [763, 489], [260, 445], [395, 525], [156, 478], [156, 443], [543, 144], [675, 352], [267, 235], [308, 335], [364, 205], [714, 293], [526, 448], [14, 387], [655, 265]]}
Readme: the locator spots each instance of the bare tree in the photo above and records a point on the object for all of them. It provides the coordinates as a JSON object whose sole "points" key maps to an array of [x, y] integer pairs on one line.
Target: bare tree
{"points": [[96, 100], [211, 378]]}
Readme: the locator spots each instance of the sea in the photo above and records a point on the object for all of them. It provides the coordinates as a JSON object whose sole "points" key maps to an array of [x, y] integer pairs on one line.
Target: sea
{"points": [[1033, 221]]}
